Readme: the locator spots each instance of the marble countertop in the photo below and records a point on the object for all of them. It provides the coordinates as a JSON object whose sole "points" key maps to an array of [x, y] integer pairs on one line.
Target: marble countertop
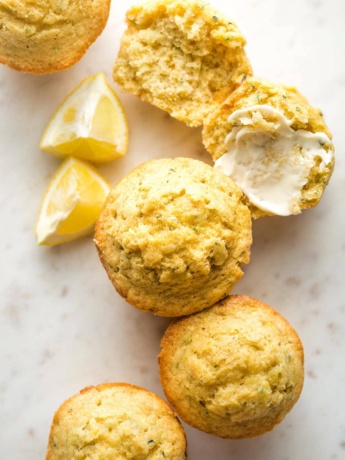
{"points": [[63, 326]]}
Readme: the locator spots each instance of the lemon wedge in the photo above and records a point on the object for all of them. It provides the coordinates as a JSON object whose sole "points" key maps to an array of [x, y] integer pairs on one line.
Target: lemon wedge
{"points": [[71, 204], [90, 124]]}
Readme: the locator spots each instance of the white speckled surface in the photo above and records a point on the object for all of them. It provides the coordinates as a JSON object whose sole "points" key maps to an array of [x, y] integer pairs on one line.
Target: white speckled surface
{"points": [[62, 325]]}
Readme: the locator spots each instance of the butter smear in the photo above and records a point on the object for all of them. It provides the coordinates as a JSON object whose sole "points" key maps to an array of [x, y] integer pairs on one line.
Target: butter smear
{"points": [[271, 166]]}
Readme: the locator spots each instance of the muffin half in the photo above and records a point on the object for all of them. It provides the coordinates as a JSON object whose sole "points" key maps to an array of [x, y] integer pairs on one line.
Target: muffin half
{"points": [[274, 145], [181, 56]]}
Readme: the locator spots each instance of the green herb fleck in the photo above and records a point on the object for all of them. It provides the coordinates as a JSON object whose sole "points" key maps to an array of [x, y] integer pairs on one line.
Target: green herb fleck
{"points": [[215, 18], [298, 109], [252, 86], [320, 113], [321, 143], [284, 96], [261, 389], [163, 453], [171, 228], [203, 404], [151, 441], [236, 123], [196, 230], [258, 98]]}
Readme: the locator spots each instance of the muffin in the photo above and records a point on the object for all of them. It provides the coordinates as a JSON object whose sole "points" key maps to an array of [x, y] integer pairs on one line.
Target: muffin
{"points": [[173, 235], [115, 420], [181, 56], [274, 145], [234, 370], [47, 36]]}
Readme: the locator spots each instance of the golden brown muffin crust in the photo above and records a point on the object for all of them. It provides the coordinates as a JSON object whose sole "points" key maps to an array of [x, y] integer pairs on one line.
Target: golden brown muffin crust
{"points": [[116, 420], [46, 36], [234, 370], [172, 236]]}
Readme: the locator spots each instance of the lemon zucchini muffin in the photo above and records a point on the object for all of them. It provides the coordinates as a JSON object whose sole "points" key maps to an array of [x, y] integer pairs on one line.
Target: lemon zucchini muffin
{"points": [[116, 421], [234, 370], [275, 146], [181, 56], [48, 35], [173, 235]]}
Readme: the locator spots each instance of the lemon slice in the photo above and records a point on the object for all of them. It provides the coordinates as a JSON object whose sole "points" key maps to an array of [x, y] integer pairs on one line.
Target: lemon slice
{"points": [[71, 204], [90, 124]]}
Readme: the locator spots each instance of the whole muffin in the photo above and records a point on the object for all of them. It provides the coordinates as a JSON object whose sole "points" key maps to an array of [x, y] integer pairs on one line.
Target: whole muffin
{"points": [[274, 145], [234, 370], [182, 56], [115, 421], [48, 35], [172, 236]]}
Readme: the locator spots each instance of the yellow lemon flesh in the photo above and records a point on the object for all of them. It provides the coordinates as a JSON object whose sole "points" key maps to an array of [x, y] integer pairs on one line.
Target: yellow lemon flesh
{"points": [[90, 124], [71, 204]]}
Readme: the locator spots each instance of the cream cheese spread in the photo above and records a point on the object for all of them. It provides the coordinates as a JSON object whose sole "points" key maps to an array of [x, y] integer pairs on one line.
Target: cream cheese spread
{"points": [[271, 166]]}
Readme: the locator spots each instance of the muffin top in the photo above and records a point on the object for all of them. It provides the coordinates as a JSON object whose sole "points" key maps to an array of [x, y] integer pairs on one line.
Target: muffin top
{"points": [[182, 56], [46, 36], [234, 370], [115, 420], [275, 146], [172, 236]]}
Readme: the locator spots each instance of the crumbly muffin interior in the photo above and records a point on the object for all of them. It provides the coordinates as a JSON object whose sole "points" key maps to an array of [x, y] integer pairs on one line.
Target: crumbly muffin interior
{"points": [[181, 56], [290, 103]]}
